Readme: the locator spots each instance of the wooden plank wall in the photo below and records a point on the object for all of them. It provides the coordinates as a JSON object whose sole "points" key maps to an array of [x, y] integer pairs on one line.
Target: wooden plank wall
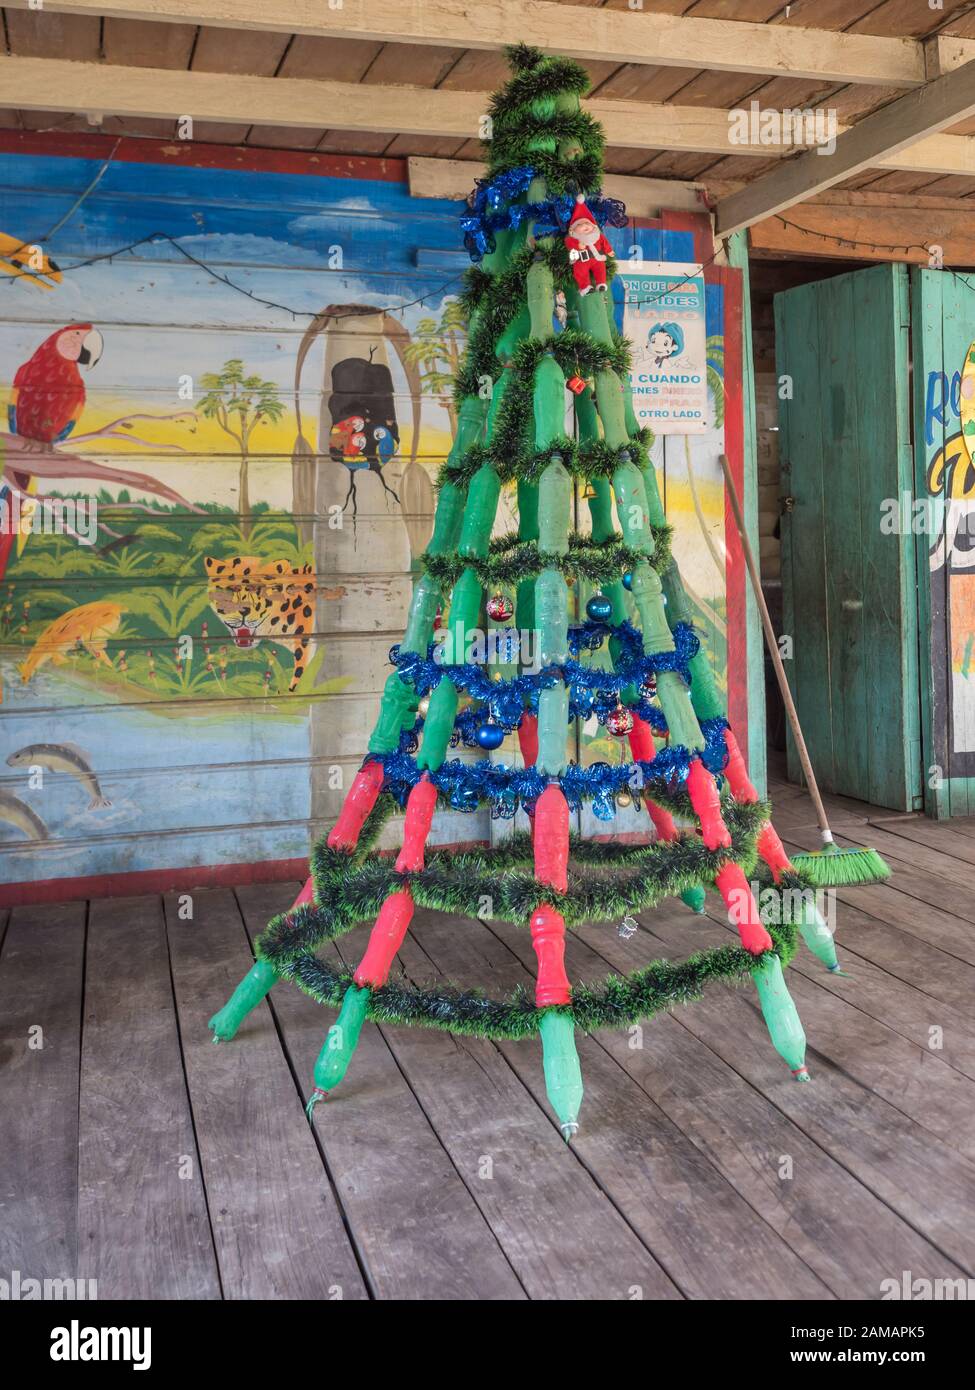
{"points": [[207, 756]]}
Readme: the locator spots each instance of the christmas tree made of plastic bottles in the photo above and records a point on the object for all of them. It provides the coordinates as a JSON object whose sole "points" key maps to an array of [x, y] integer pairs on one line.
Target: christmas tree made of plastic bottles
{"points": [[533, 228]]}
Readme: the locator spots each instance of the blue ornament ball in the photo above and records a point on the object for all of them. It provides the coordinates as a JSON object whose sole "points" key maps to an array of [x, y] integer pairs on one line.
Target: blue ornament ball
{"points": [[628, 580], [599, 608], [490, 736]]}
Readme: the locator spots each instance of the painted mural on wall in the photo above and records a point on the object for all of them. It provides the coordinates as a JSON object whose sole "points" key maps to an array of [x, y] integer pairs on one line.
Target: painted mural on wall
{"points": [[949, 437], [220, 482]]}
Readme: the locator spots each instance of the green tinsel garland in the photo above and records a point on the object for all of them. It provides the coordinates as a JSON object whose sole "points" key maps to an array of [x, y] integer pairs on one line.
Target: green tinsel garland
{"points": [[616, 1002], [606, 880], [529, 123], [516, 135], [497, 300], [537, 76], [511, 561], [591, 459]]}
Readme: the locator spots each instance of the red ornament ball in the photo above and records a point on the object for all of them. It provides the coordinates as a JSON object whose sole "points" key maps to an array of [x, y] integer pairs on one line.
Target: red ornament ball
{"points": [[649, 687], [500, 608], [619, 721]]}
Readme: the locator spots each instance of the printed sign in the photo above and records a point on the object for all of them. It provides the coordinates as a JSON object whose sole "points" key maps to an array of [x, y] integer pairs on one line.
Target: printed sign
{"points": [[663, 317]]}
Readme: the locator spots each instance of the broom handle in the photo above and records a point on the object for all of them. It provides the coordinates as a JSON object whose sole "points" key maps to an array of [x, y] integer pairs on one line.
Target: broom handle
{"points": [[773, 649]]}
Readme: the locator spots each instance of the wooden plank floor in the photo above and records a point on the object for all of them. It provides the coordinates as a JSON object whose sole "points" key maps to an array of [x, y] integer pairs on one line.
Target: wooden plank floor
{"points": [[138, 1155]]}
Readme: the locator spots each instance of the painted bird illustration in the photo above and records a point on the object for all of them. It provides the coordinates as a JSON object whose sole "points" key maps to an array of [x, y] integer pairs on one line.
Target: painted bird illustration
{"points": [[46, 401]]}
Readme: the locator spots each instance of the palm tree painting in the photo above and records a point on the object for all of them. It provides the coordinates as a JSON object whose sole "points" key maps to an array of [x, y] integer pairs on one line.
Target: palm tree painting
{"points": [[435, 351], [239, 404]]}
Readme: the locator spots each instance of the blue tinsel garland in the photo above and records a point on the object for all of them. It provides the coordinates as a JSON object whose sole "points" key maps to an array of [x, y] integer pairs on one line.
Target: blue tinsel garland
{"points": [[467, 785], [591, 690], [491, 208]]}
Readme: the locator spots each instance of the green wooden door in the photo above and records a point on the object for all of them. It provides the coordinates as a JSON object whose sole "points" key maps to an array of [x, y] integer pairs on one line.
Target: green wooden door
{"points": [[848, 566]]}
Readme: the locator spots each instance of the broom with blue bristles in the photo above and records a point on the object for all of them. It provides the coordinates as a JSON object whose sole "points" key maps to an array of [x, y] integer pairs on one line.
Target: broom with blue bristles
{"points": [[831, 866]]}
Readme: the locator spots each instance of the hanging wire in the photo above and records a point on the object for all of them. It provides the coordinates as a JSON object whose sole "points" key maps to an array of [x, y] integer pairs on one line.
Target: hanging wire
{"points": [[154, 238]]}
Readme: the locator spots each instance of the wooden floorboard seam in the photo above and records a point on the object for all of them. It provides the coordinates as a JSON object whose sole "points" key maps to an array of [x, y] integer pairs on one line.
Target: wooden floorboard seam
{"points": [[302, 1094], [723, 1177], [679, 1191], [189, 1101], [350, 1230], [965, 924], [952, 1260], [815, 982], [857, 1177], [354, 1241], [852, 957], [764, 1096], [446, 1151]]}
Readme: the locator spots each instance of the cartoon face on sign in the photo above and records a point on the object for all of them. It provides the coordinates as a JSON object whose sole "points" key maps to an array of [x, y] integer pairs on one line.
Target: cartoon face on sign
{"points": [[665, 340]]}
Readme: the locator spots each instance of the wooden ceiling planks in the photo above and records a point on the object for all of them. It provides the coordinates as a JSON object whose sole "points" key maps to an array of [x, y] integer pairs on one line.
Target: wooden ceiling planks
{"points": [[248, 52], [640, 82], [131, 42], [241, 51], [963, 27], [621, 161], [476, 71], [908, 19], [36, 35], [667, 164], [899, 181], [137, 44], [343, 60], [828, 14], [411, 65]]}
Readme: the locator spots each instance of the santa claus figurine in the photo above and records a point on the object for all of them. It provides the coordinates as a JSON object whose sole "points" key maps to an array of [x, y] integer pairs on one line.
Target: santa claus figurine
{"points": [[587, 248]]}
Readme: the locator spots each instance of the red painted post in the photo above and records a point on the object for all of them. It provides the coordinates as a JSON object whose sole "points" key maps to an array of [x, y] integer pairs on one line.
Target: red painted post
{"points": [[361, 798], [703, 792], [419, 817], [770, 847], [742, 909], [385, 938], [548, 939], [307, 894], [644, 750]]}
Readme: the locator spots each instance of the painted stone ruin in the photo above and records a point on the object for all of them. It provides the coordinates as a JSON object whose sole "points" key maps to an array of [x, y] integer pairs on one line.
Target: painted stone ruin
{"points": [[541, 321]]}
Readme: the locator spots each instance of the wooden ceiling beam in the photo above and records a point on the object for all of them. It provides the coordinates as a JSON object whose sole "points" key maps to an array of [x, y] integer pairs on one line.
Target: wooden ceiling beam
{"points": [[644, 197], [597, 34], [903, 129], [53, 84]]}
